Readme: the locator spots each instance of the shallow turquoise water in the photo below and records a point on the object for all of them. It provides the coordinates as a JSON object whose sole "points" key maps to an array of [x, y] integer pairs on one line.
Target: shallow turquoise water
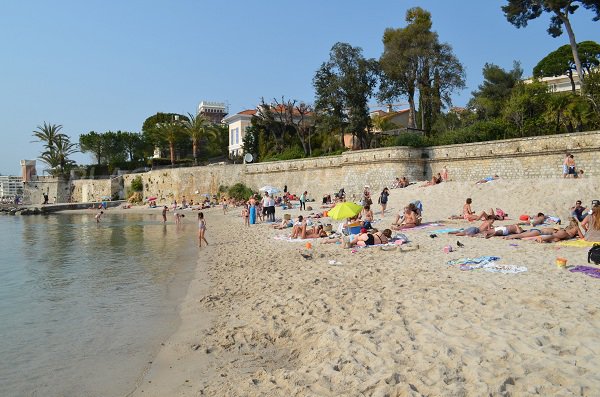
{"points": [[85, 306]]}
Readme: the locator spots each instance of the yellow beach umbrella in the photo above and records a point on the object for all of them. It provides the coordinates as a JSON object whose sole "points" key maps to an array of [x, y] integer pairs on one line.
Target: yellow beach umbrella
{"points": [[344, 210]]}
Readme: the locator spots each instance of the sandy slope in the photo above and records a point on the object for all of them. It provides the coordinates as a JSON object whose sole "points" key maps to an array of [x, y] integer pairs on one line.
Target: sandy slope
{"points": [[387, 322]]}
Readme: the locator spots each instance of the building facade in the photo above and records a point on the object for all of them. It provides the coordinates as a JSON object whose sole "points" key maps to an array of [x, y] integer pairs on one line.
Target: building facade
{"points": [[212, 111], [10, 186], [238, 123]]}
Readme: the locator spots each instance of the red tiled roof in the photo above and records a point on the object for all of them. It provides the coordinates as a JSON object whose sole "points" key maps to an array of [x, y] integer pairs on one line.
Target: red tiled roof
{"points": [[249, 112]]}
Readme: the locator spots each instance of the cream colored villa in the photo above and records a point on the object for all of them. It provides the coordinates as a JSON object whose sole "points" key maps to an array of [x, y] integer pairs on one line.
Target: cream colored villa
{"points": [[237, 129]]}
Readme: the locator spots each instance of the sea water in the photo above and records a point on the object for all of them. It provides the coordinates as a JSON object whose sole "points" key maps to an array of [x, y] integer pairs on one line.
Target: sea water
{"points": [[84, 306]]}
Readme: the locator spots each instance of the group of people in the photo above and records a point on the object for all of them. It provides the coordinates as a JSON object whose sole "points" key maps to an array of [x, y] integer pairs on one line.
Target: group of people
{"points": [[569, 167], [584, 224], [400, 183]]}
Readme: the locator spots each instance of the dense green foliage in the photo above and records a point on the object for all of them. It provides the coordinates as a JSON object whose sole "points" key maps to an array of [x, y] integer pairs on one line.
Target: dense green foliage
{"points": [[137, 185], [414, 63], [239, 191], [520, 12]]}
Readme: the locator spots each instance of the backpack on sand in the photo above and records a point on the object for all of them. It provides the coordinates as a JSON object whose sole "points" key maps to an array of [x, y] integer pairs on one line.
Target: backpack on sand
{"points": [[594, 254]]}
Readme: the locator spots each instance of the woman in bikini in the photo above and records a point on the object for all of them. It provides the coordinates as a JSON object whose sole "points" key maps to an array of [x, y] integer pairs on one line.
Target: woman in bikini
{"points": [[364, 239], [567, 233], [533, 232], [469, 214], [504, 231], [201, 229]]}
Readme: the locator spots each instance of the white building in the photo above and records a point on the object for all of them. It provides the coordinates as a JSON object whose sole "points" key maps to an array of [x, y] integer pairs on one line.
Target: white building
{"points": [[560, 83], [237, 130], [10, 186], [213, 111]]}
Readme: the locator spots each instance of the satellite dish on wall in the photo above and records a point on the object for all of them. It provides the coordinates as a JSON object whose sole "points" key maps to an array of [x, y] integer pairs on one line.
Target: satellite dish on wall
{"points": [[248, 158]]}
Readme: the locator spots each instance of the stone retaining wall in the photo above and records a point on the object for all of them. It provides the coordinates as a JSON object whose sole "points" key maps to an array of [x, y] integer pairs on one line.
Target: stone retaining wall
{"points": [[537, 157]]}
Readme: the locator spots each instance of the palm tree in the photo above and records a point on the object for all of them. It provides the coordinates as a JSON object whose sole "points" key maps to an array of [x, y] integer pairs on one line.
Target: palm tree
{"points": [[170, 132], [48, 134], [57, 156], [197, 127]]}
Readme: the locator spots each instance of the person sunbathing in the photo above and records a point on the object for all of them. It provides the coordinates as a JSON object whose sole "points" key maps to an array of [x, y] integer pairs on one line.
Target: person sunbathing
{"points": [[298, 226], [567, 233], [284, 224], [539, 219], [314, 232], [410, 219], [533, 232], [473, 230], [504, 231], [487, 179], [436, 179], [470, 215], [364, 239], [366, 217]]}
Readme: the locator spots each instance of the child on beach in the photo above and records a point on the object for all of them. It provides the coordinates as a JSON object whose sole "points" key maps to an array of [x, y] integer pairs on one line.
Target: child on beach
{"points": [[246, 215], [201, 229], [164, 213]]}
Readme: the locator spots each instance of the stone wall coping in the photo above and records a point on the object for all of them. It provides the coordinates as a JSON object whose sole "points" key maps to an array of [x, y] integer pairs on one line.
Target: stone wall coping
{"points": [[514, 140]]}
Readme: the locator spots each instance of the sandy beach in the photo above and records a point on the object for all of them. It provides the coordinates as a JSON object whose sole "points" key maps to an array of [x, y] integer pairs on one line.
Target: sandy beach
{"points": [[260, 320]]}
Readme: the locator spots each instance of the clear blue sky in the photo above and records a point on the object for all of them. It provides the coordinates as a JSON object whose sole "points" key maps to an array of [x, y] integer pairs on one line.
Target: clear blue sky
{"points": [[108, 65]]}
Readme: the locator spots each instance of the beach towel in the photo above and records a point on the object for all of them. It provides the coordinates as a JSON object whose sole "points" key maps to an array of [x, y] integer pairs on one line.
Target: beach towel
{"points": [[473, 263], [577, 243], [288, 239], [468, 261], [448, 230], [494, 267], [588, 270], [421, 226]]}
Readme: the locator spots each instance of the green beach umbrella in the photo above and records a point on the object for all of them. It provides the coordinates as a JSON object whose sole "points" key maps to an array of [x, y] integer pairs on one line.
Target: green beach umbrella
{"points": [[344, 210]]}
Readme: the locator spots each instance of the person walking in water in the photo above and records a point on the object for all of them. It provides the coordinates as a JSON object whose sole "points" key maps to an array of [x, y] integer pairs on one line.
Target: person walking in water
{"points": [[201, 229], [98, 216], [164, 213]]}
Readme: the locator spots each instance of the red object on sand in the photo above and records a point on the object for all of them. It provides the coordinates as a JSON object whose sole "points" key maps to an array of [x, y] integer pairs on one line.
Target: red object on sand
{"points": [[524, 218]]}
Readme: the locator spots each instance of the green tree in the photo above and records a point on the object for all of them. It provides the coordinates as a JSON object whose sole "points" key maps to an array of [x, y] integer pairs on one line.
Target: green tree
{"points": [[520, 12], [94, 143], [560, 62], [495, 90], [525, 108], [405, 51], [197, 128], [165, 129], [343, 87]]}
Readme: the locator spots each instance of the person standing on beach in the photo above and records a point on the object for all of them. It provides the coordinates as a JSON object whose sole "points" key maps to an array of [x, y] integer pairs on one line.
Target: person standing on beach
{"points": [[201, 229], [98, 216], [566, 166], [571, 166], [383, 199], [252, 210], [246, 215], [164, 213], [224, 206], [303, 201]]}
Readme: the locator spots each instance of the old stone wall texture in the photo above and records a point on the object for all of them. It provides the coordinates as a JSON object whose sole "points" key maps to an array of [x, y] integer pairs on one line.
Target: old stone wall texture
{"points": [[536, 157]]}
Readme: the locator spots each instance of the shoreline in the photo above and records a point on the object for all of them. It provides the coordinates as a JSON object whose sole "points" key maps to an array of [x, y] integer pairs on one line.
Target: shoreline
{"points": [[392, 322]]}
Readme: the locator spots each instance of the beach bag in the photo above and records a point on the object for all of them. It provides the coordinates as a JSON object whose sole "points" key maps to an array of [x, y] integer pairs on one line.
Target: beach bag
{"points": [[594, 254]]}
